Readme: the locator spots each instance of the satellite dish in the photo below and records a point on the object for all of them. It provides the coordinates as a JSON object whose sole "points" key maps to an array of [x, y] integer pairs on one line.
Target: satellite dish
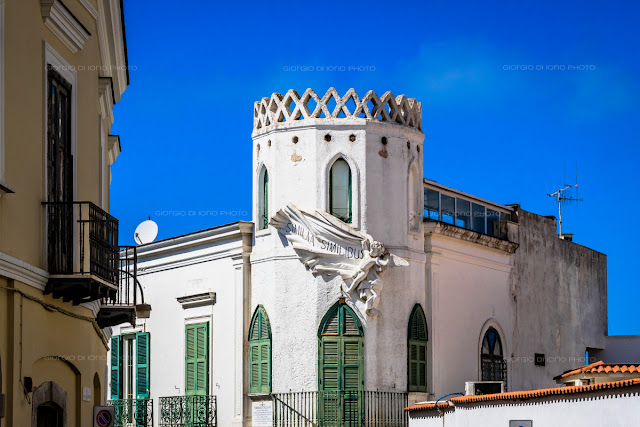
{"points": [[146, 232]]}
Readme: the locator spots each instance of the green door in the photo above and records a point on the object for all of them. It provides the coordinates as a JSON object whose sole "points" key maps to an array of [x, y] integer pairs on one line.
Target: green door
{"points": [[341, 368], [197, 375]]}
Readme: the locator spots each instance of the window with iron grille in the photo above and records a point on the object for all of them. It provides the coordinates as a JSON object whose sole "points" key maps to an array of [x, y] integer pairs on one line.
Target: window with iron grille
{"points": [[493, 366], [417, 348]]}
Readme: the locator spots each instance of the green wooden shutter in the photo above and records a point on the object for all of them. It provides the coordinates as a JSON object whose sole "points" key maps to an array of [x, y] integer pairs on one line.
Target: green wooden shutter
{"points": [[352, 368], [197, 359], [417, 348], [260, 354], [143, 354], [265, 209], [330, 364], [116, 367]]}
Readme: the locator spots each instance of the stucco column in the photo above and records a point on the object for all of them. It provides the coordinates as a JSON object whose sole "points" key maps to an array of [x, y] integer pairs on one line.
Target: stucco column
{"points": [[243, 304]]}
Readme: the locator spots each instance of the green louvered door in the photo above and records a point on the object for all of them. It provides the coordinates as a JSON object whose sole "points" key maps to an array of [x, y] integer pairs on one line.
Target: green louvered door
{"points": [[197, 359], [352, 380], [197, 374], [341, 368], [143, 353], [116, 367]]}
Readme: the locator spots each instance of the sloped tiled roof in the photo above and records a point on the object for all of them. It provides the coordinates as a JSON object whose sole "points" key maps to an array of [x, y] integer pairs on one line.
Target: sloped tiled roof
{"points": [[603, 368], [427, 406], [524, 395]]}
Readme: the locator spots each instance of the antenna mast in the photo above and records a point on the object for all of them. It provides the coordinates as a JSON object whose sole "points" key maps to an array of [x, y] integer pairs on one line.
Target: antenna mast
{"points": [[561, 199]]}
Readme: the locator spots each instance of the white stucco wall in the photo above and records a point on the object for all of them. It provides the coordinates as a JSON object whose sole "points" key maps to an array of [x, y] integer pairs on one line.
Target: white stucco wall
{"points": [[295, 300], [595, 410], [469, 290], [207, 261]]}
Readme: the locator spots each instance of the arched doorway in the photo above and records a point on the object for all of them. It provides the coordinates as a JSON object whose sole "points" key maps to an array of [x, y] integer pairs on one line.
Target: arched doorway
{"points": [[49, 414], [49, 403], [341, 366]]}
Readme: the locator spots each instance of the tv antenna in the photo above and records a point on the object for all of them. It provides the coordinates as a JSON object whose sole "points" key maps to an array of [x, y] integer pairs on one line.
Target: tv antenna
{"points": [[565, 195]]}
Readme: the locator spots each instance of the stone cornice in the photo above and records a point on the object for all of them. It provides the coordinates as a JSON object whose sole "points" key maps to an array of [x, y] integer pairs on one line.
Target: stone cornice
{"points": [[444, 229], [113, 148], [105, 94], [64, 24]]}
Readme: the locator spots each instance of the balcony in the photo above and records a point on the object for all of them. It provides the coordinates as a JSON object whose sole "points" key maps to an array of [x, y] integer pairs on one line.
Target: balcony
{"points": [[82, 252], [132, 412], [188, 411], [86, 264], [340, 409], [128, 302]]}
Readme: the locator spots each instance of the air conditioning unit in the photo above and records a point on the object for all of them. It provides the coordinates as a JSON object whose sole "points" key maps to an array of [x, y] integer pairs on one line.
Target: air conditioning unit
{"points": [[483, 387]]}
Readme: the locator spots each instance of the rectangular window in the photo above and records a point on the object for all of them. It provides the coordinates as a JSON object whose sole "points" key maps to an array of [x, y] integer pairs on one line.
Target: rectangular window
{"points": [[130, 364], [492, 218], [448, 208], [431, 204], [463, 213], [478, 218], [59, 174], [197, 359]]}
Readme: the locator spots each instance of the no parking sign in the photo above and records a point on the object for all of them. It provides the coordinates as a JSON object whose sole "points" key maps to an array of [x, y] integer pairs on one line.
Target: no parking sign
{"points": [[103, 416]]}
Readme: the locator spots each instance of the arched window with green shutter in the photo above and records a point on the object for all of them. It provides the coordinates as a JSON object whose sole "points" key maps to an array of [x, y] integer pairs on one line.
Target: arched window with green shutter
{"points": [[417, 350], [340, 190], [260, 352], [263, 199]]}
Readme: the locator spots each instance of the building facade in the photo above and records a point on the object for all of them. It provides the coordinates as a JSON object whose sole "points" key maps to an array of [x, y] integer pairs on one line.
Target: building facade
{"points": [[62, 67], [359, 287]]}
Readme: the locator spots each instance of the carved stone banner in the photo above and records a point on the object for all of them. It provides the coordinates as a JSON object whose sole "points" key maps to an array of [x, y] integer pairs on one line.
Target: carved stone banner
{"points": [[328, 246]]}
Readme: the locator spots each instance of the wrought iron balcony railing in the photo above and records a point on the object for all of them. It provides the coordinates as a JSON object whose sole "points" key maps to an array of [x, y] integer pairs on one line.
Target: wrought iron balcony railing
{"points": [[188, 411], [340, 409], [82, 251], [128, 303], [132, 412]]}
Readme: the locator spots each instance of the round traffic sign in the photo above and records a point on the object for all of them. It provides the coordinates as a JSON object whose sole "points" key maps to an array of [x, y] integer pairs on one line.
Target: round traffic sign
{"points": [[103, 418]]}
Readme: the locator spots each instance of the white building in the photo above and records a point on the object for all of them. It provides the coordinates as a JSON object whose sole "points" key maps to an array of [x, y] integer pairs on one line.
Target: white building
{"points": [[596, 405], [362, 287]]}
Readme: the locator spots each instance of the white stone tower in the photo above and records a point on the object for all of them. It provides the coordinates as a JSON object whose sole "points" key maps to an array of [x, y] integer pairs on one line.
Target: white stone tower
{"points": [[297, 139]]}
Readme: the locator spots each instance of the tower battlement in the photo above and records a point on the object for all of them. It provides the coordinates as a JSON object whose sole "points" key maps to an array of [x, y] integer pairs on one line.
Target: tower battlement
{"points": [[284, 110]]}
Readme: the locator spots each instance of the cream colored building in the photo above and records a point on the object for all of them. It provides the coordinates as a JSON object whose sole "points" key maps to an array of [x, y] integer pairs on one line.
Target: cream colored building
{"points": [[63, 65]]}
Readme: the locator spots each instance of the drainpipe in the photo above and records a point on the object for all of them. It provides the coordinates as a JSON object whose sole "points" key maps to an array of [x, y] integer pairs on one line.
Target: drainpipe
{"points": [[439, 399]]}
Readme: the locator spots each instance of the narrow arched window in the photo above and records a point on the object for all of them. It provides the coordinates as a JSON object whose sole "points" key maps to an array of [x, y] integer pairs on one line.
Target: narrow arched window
{"points": [[417, 347], [340, 190], [263, 200], [492, 361], [260, 352]]}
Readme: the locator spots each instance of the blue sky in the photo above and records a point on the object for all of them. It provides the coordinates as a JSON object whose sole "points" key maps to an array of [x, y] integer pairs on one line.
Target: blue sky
{"points": [[501, 133]]}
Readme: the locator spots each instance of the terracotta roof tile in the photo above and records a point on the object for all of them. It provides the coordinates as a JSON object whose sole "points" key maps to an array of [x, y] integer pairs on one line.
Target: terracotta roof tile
{"points": [[427, 406], [523, 395], [600, 367]]}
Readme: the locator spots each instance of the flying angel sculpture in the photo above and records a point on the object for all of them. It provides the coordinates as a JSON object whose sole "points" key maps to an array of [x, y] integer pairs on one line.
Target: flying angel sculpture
{"points": [[328, 246]]}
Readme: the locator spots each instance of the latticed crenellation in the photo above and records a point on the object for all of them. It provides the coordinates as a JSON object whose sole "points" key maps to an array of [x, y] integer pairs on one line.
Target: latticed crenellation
{"points": [[269, 112]]}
